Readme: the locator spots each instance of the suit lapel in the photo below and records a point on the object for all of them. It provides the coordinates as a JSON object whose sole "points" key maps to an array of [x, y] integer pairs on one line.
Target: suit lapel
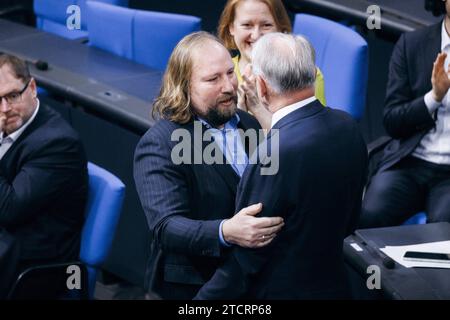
{"points": [[224, 170], [429, 50], [248, 122], [249, 147]]}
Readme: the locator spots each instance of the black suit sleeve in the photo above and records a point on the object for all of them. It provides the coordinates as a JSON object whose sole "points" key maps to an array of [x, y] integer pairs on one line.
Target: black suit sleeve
{"points": [[49, 171], [404, 114], [163, 191], [232, 280]]}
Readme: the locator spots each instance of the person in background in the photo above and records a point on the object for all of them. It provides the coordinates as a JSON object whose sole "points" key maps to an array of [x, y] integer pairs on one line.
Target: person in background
{"points": [[243, 22], [190, 205], [43, 175], [414, 172], [317, 188]]}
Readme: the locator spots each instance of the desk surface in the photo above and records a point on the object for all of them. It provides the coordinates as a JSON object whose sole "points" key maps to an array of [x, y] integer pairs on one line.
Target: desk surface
{"points": [[396, 16], [403, 283], [115, 87]]}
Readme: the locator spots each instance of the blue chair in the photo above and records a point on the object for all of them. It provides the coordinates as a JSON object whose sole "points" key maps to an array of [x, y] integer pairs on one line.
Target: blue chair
{"points": [[342, 56], [106, 194], [145, 37], [419, 218], [105, 199], [51, 16]]}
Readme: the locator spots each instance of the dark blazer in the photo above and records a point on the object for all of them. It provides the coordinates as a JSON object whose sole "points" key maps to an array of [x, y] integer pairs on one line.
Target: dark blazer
{"points": [[317, 190], [43, 190], [406, 117], [184, 205]]}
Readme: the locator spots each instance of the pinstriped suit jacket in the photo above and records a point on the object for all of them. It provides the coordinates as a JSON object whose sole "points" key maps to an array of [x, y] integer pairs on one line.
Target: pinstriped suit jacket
{"points": [[184, 205]]}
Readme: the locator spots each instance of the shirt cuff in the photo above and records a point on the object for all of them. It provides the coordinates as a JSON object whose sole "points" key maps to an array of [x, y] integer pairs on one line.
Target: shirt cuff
{"points": [[222, 240], [431, 104]]}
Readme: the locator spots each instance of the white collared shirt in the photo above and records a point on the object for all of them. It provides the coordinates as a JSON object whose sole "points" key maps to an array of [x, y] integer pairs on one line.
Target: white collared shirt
{"points": [[283, 112], [6, 143], [435, 145]]}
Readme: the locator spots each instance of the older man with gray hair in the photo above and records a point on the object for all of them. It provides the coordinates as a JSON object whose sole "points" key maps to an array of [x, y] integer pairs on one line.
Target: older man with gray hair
{"points": [[317, 189]]}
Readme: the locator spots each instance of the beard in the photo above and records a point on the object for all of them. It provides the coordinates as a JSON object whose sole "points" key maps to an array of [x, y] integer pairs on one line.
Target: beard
{"points": [[217, 115], [11, 126]]}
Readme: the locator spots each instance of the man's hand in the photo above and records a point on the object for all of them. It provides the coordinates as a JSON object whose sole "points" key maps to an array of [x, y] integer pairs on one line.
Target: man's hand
{"points": [[440, 78], [249, 97], [251, 100], [248, 88], [241, 100], [245, 230]]}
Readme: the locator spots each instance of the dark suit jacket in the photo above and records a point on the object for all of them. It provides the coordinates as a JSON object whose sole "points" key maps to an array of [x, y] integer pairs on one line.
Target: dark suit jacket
{"points": [[406, 117], [317, 190], [184, 205], [43, 190]]}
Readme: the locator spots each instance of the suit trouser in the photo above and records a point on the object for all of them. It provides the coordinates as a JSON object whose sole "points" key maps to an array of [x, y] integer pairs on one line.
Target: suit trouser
{"points": [[410, 186]]}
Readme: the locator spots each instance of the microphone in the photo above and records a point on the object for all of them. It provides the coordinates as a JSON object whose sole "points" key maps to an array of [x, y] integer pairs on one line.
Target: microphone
{"points": [[39, 64], [387, 261]]}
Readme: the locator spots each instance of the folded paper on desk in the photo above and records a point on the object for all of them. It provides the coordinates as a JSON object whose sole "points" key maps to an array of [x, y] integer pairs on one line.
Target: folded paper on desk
{"points": [[397, 253]]}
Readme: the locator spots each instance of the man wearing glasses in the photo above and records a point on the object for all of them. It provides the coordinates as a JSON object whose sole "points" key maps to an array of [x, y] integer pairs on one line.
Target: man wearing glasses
{"points": [[43, 173]]}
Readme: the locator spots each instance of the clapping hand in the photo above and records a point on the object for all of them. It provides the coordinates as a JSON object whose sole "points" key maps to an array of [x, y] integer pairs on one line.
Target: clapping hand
{"points": [[440, 78]]}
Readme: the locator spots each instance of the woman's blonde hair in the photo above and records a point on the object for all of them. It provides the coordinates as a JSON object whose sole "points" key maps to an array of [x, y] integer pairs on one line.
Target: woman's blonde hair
{"points": [[276, 8], [174, 100]]}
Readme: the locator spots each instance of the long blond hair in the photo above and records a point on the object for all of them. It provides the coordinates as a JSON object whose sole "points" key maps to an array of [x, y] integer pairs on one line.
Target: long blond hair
{"points": [[174, 100]]}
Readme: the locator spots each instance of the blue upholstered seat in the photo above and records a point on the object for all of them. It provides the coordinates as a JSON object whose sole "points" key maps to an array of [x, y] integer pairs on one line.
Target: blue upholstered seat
{"points": [[105, 199], [342, 56], [145, 37], [51, 16]]}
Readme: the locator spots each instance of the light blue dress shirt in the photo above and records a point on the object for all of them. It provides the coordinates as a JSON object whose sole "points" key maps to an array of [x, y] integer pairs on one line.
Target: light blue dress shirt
{"points": [[230, 144]]}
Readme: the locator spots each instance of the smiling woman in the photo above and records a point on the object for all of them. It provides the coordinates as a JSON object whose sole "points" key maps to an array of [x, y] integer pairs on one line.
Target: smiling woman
{"points": [[243, 22]]}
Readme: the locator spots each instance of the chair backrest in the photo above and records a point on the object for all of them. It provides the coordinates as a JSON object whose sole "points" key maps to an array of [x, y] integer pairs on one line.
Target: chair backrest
{"points": [[51, 16], [342, 56], [418, 218], [145, 37], [106, 194]]}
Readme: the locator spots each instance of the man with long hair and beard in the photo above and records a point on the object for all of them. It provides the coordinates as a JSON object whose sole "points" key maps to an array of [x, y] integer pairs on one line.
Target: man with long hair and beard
{"points": [[190, 205]]}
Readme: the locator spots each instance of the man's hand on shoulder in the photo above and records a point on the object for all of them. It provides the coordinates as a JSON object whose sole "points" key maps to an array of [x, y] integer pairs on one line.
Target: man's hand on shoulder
{"points": [[246, 230]]}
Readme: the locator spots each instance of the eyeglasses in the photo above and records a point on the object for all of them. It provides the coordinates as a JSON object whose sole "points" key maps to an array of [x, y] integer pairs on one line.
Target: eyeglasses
{"points": [[14, 97]]}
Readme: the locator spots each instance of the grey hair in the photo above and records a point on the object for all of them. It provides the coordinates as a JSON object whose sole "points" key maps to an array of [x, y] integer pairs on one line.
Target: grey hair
{"points": [[285, 61]]}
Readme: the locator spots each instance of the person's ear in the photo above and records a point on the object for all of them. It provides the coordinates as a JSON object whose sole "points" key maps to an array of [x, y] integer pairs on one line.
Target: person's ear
{"points": [[261, 87], [33, 88], [231, 29]]}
